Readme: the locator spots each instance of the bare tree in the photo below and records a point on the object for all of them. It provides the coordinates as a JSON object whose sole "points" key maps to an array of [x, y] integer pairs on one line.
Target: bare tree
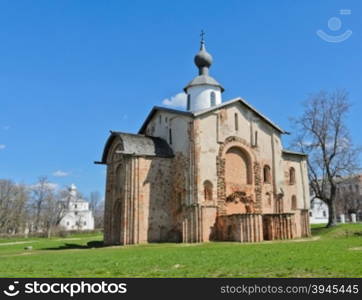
{"points": [[323, 135], [96, 205], [53, 211], [41, 191], [47, 206], [13, 199]]}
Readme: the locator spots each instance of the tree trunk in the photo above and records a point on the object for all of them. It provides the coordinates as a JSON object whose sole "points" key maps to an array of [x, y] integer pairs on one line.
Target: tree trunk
{"points": [[49, 232], [332, 218]]}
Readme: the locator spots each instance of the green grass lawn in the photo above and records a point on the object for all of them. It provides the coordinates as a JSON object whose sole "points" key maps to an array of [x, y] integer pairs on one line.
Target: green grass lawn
{"points": [[335, 252]]}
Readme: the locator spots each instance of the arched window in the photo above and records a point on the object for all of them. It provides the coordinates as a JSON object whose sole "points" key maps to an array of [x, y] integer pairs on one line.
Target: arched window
{"points": [[294, 202], [291, 176], [238, 170], [212, 99], [207, 190], [236, 120], [267, 174], [188, 102]]}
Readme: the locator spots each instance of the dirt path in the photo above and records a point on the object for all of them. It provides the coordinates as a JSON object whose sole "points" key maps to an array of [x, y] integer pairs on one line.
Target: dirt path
{"points": [[17, 243]]}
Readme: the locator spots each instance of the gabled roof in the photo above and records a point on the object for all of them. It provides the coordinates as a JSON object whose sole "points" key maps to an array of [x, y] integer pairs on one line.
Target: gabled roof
{"points": [[160, 108], [138, 145], [202, 112], [246, 104]]}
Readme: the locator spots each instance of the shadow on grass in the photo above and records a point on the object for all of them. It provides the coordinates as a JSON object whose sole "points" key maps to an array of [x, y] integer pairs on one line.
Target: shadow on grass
{"points": [[90, 245]]}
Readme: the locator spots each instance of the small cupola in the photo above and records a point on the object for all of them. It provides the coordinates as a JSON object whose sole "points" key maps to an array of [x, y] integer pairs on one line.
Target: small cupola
{"points": [[203, 91]]}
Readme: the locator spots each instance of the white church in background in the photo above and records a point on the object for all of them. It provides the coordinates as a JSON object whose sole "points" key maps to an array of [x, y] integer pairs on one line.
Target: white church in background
{"points": [[77, 215], [318, 213]]}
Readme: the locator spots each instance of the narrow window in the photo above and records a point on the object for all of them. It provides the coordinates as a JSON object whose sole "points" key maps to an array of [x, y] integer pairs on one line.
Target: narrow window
{"points": [[208, 190], [236, 120], [269, 198], [267, 175], [294, 202], [85, 223], [291, 176], [170, 136], [255, 139], [188, 102], [310, 214], [212, 99], [324, 213]]}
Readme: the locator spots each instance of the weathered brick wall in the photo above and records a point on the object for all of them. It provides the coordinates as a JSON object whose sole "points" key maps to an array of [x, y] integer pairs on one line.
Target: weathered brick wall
{"points": [[139, 199], [240, 228]]}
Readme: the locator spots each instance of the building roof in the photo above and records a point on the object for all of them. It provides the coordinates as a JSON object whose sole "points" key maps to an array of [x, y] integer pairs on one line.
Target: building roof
{"points": [[160, 108], [286, 151], [202, 112], [137, 145], [203, 80], [247, 105]]}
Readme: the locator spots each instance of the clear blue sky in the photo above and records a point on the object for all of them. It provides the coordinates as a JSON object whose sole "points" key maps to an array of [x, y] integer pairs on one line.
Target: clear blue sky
{"points": [[72, 70]]}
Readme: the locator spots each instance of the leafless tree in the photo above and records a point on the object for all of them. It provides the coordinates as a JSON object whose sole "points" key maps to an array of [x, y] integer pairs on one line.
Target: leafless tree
{"points": [[47, 205], [97, 205], [41, 191], [53, 211], [323, 135], [13, 199]]}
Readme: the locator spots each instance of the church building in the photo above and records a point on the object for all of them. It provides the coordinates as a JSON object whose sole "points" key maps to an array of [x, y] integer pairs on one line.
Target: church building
{"points": [[77, 215], [215, 172]]}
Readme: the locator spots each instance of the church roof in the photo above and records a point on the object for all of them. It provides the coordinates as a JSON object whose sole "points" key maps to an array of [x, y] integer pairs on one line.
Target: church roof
{"points": [[247, 105], [213, 108], [160, 108], [286, 151], [203, 80], [137, 145]]}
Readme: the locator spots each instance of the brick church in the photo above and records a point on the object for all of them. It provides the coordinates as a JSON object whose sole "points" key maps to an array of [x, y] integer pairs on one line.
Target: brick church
{"points": [[214, 172]]}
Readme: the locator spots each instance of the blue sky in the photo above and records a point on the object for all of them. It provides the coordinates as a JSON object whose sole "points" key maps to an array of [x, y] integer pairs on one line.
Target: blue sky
{"points": [[70, 71]]}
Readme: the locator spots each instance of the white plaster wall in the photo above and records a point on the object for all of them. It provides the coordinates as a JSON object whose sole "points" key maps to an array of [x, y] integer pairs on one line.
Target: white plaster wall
{"points": [[160, 124], [300, 189], [200, 96], [208, 150], [218, 125], [70, 219]]}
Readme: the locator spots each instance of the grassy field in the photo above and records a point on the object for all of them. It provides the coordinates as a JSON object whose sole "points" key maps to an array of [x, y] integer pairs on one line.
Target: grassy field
{"points": [[335, 252]]}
